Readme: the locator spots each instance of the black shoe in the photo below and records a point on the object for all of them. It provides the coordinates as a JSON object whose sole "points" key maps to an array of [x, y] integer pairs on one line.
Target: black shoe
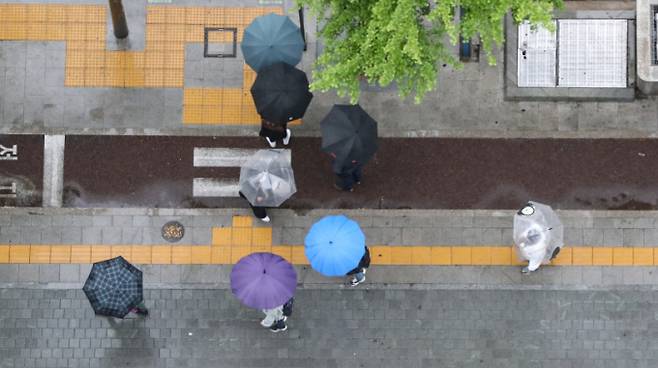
{"points": [[341, 189], [555, 253], [142, 312], [278, 329]]}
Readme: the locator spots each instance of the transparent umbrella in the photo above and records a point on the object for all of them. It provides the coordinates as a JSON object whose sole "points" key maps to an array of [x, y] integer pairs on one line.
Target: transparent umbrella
{"points": [[267, 179], [537, 233]]}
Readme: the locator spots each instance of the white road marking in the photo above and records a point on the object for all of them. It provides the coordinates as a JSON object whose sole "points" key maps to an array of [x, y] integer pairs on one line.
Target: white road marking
{"points": [[53, 170]]}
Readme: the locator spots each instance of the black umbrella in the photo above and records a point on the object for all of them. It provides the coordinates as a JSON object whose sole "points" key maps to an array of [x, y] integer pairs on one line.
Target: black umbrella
{"points": [[281, 93], [349, 133], [114, 287]]}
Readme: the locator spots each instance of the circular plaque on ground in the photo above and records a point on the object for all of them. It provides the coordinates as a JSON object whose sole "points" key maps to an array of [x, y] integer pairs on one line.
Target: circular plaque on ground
{"points": [[173, 231]]}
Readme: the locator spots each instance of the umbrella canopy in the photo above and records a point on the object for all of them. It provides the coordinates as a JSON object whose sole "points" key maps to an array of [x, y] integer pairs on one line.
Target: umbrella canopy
{"points": [[281, 93], [267, 179], [335, 245], [349, 133], [269, 39], [114, 287], [263, 280], [537, 232]]}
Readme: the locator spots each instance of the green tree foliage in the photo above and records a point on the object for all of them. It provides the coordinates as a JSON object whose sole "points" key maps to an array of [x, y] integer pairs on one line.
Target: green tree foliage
{"points": [[401, 41]]}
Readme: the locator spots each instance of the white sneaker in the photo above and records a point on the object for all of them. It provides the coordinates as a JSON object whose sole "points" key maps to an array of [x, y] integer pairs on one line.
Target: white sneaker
{"points": [[272, 144], [286, 140], [265, 219]]}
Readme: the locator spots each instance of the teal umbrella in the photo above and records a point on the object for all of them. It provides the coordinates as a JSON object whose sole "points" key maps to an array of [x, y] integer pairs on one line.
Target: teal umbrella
{"points": [[272, 38]]}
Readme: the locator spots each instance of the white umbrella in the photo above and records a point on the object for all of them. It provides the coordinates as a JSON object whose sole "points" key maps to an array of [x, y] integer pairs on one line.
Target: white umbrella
{"points": [[267, 179], [537, 233]]}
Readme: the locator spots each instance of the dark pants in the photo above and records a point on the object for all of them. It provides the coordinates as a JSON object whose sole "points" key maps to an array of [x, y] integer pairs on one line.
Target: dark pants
{"points": [[259, 212], [347, 179]]}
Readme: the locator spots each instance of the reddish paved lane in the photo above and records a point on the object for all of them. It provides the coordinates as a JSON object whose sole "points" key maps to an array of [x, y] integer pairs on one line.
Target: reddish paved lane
{"points": [[124, 171]]}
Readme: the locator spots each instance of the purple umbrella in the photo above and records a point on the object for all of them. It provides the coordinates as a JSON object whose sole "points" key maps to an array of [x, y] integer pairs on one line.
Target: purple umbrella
{"points": [[263, 280]]}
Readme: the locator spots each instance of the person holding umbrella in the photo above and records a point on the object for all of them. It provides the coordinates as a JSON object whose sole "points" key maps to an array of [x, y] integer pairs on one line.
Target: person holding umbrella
{"points": [[281, 94], [349, 136], [114, 288], [267, 282], [336, 246], [538, 235], [267, 180]]}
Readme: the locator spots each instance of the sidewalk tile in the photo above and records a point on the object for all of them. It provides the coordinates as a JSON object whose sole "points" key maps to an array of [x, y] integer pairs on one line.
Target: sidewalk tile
{"points": [[100, 253], [481, 256], [622, 256], [80, 254], [220, 255], [601, 256], [124, 251], [284, 251], [380, 254], [60, 254], [237, 252], [242, 221], [642, 256], [40, 254], [181, 254], [221, 236], [501, 256], [421, 255], [564, 258], [261, 236], [581, 256], [19, 254], [201, 255], [400, 255], [298, 256], [141, 254], [461, 255], [4, 254], [241, 237], [161, 254], [441, 255]]}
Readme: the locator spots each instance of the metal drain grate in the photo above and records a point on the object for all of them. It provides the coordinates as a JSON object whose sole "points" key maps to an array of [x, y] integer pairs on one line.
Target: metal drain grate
{"points": [[208, 44]]}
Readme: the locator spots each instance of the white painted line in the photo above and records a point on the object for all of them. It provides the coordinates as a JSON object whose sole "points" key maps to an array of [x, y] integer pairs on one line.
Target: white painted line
{"points": [[53, 170], [211, 187], [225, 157]]}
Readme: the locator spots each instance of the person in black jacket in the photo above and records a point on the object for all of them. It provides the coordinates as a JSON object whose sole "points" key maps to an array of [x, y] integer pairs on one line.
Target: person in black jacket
{"points": [[258, 211], [360, 271]]}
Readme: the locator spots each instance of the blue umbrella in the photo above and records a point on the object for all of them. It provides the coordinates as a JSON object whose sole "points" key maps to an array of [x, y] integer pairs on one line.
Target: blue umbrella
{"points": [[335, 245], [114, 287], [272, 38]]}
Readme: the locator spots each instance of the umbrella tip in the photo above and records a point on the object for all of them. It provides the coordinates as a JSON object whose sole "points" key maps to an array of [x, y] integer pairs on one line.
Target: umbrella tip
{"points": [[264, 271]]}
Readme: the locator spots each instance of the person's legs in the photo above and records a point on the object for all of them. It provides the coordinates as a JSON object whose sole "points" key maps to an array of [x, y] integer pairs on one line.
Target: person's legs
{"points": [[260, 213], [357, 174], [359, 277], [279, 326], [286, 139], [344, 182]]}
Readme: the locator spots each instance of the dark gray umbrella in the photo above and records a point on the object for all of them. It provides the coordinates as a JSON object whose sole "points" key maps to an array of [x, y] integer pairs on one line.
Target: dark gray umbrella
{"points": [[114, 287], [281, 93], [349, 133], [269, 39]]}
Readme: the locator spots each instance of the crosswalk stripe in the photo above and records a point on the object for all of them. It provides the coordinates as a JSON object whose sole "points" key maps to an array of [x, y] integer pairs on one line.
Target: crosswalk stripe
{"points": [[211, 187], [224, 157]]}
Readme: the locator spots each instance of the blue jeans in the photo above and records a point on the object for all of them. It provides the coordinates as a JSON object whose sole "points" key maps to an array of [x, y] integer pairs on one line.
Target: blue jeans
{"points": [[347, 180]]}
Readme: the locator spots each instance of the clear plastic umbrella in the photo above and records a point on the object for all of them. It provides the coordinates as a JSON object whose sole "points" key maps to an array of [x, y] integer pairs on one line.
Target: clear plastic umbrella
{"points": [[537, 233], [267, 179]]}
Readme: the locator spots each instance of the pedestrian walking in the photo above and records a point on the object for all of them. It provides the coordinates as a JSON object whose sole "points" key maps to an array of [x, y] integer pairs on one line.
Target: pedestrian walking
{"points": [[274, 319], [260, 212], [274, 132], [140, 309], [267, 282], [538, 235], [347, 175], [359, 272]]}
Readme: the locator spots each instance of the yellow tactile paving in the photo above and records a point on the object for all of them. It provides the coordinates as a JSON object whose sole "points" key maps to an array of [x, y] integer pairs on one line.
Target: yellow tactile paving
{"points": [[601, 256], [380, 254], [80, 254], [4, 254], [181, 254], [581, 256], [40, 254], [200, 255], [168, 28], [60, 254]]}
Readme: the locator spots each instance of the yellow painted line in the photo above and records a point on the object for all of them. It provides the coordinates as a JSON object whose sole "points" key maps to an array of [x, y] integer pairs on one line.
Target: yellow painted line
{"points": [[229, 244]]}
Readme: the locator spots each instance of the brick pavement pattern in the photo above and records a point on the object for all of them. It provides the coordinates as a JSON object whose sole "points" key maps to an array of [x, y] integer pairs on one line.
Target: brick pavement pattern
{"points": [[337, 328]]}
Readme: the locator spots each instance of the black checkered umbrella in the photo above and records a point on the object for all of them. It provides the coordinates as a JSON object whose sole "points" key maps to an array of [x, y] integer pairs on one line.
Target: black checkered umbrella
{"points": [[114, 287]]}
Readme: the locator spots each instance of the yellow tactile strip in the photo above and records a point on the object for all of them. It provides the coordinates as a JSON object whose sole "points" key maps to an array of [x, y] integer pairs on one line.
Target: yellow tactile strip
{"points": [[160, 65], [229, 244]]}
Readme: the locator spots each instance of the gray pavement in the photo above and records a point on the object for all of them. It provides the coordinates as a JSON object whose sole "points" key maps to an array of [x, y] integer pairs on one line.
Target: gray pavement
{"points": [[337, 328]]}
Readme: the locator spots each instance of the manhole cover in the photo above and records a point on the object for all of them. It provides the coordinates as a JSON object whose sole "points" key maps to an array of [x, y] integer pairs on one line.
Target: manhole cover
{"points": [[173, 231]]}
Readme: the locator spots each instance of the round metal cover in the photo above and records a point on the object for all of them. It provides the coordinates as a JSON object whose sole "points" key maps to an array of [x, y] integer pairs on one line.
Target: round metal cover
{"points": [[173, 231]]}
